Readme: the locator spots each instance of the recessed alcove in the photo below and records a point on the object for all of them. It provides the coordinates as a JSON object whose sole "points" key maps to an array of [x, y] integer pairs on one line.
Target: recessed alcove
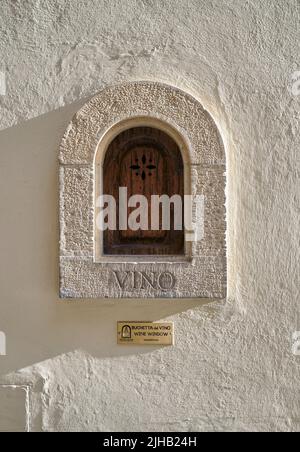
{"points": [[148, 162], [152, 139]]}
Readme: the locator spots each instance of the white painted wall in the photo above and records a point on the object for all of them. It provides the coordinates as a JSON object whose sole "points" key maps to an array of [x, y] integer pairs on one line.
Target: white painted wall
{"points": [[232, 367]]}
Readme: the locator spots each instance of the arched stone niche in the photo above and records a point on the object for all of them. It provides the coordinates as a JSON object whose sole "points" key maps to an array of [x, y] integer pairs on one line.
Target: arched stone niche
{"points": [[85, 271]]}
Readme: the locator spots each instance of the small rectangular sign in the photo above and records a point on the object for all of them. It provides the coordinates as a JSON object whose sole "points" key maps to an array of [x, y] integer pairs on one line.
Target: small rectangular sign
{"points": [[145, 333]]}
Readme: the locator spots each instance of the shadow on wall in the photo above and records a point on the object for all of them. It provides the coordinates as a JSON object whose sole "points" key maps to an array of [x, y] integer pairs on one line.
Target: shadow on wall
{"points": [[38, 325]]}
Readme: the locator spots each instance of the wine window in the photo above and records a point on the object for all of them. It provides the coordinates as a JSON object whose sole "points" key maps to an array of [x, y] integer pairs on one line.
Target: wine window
{"points": [[146, 161]]}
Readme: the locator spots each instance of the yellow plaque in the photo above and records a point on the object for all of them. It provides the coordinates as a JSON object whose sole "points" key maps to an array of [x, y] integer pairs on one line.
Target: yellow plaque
{"points": [[145, 333]]}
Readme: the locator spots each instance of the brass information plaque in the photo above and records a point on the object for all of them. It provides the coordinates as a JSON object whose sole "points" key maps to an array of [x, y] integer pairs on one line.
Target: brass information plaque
{"points": [[145, 333]]}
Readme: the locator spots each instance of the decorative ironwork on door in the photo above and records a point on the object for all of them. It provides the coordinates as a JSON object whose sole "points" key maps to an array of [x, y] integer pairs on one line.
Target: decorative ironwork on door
{"points": [[141, 170]]}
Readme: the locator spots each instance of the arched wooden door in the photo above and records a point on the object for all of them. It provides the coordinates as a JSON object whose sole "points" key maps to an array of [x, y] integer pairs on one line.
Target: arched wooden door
{"points": [[147, 162]]}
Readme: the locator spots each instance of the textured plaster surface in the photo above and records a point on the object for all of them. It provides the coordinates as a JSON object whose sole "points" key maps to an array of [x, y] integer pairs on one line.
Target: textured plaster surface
{"points": [[232, 367], [81, 156]]}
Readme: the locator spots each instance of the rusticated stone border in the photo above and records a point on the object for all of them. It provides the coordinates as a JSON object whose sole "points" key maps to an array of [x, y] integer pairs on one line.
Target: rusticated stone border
{"points": [[84, 273]]}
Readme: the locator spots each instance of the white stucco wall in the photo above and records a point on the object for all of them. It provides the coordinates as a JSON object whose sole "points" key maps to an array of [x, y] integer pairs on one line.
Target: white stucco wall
{"points": [[232, 367]]}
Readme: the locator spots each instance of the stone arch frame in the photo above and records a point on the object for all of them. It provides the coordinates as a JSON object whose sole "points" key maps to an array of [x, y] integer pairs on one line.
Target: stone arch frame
{"points": [[105, 141], [83, 272]]}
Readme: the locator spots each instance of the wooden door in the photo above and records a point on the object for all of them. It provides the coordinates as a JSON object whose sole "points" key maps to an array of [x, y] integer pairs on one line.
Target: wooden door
{"points": [[147, 162]]}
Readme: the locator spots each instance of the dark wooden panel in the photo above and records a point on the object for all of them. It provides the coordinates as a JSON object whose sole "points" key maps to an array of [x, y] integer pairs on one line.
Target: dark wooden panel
{"points": [[148, 162]]}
